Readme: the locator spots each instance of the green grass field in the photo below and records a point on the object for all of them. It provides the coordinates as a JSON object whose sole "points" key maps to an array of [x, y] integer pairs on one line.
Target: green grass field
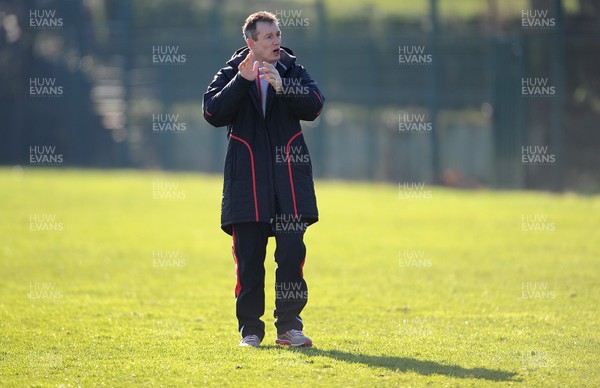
{"points": [[103, 283]]}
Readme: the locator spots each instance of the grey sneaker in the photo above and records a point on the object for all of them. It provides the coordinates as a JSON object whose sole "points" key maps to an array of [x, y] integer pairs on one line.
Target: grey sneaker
{"points": [[250, 340], [293, 338]]}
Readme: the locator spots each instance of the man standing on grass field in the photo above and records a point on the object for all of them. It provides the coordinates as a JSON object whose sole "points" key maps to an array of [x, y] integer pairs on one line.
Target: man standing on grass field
{"points": [[268, 189]]}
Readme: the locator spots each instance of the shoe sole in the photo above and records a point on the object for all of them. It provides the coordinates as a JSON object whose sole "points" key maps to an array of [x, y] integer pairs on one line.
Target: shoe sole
{"points": [[289, 343]]}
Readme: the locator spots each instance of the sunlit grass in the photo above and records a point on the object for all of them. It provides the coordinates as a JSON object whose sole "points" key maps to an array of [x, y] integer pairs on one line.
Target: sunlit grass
{"points": [[445, 290]]}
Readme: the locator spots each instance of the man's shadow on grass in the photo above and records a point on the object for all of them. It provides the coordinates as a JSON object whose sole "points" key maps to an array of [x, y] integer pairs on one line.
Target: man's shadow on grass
{"points": [[405, 364]]}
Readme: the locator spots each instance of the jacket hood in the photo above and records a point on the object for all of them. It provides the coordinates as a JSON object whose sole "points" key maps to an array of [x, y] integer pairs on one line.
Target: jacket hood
{"points": [[286, 57]]}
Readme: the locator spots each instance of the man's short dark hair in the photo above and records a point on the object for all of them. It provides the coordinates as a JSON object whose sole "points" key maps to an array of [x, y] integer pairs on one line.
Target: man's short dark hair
{"points": [[249, 27]]}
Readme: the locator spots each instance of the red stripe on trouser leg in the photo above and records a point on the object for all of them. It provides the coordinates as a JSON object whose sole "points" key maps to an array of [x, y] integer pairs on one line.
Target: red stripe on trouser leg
{"points": [[238, 285]]}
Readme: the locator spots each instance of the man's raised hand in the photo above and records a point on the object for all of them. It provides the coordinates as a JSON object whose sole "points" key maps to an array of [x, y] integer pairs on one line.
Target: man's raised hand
{"points": [[271, 75], [248, 67]]}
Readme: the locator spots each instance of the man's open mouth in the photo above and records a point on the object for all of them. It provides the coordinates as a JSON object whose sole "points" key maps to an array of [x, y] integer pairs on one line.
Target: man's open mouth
{"points": [[276, 51]]}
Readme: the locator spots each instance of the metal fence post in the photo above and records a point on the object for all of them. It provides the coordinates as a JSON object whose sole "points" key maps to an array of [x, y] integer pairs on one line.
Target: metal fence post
{"points": [[432, 91], [557, 67]]}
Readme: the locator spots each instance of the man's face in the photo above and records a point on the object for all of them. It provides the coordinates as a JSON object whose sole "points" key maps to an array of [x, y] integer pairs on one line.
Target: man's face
{"points": [[266, 47]]}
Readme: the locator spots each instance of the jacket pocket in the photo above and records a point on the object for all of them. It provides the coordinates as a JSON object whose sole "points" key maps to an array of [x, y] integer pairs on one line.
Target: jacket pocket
{"points": [[243, 160]]}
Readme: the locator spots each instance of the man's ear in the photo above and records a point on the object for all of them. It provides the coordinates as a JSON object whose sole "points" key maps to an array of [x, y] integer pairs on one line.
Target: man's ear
{"points": [[250, 43]]}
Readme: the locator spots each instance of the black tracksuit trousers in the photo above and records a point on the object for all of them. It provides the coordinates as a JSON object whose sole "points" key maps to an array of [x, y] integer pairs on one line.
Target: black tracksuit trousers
{"points": [[291, 293]]}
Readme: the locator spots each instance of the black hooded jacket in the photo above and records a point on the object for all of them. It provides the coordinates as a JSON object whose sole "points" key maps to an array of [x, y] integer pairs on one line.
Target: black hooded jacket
{"points": [[268, 170]]}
